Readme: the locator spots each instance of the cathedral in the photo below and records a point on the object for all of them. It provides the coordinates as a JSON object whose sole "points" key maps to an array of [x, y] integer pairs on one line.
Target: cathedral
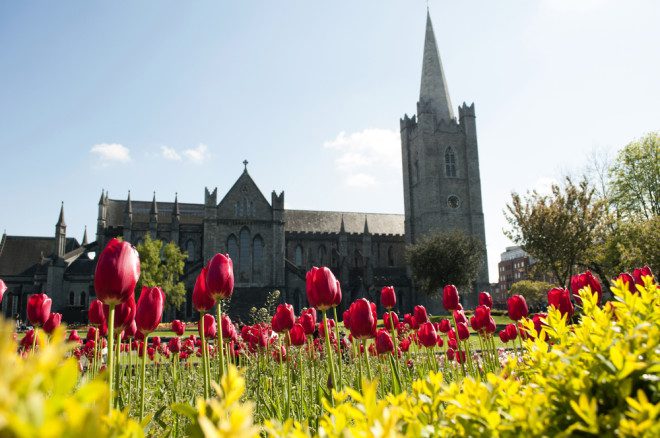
{"points": [[273, 247]]}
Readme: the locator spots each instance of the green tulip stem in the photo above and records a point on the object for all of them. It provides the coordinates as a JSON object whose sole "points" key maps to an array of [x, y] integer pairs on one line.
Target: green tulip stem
{"points": [[340, 358], [96, 351], [130, 372], [220, 345], [118, 369], [204, 358], [366, 358], [111, 353], [143, 373], [458, 342], [329, 352], [34, 339]]}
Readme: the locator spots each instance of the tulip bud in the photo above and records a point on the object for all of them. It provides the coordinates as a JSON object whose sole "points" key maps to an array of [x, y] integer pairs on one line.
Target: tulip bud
{"points": [[283, 319], [54, 321], [427, 335], [463, 331], [387, 316], [210, 328], [450, 299], [420, 315], [297, 334], [503, 336], [220, 277], [388, 297], [384, 342], [322, 288], [362, 319], [485, 299], [517, 307], [202, 300], [149, 309], [117, 272], [561, 300], [38, 309], [640, 273], [178, 327], [580, 281]]}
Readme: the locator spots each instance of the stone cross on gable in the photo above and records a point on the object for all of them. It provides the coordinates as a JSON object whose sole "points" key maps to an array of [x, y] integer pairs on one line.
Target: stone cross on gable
{"points": [[245, 163]]}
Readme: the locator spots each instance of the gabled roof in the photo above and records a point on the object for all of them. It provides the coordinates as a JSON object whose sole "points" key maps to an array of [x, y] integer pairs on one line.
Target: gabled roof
{"points": [[313, 221], [21, 255]]}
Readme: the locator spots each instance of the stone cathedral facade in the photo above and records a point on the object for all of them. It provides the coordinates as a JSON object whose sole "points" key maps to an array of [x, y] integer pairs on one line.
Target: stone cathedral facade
{"points": [[273, 247]]}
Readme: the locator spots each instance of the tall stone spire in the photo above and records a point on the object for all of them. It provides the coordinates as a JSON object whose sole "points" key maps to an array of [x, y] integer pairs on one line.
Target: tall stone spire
{"points": [[433, 92], [60, 234], [154, 206], [84, 239], [176, 211], [60, 220]]}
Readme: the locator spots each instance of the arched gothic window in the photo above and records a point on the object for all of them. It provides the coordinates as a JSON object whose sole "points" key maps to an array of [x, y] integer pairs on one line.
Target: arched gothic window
{"points": [[190, 249], [390, 256], [321, 256], [357, 259], [450, 163], [244, 254], [72, 298], [257, 257], [298, 256], [83, 299], [232, 249]]}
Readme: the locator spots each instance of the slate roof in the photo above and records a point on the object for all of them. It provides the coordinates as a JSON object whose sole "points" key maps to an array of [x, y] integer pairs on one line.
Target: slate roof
{"points": [[311, 221], [190, 213], [20, 255]]}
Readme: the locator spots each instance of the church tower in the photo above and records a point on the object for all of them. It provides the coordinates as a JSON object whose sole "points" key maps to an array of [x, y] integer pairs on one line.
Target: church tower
{"points": [[442, 186]]}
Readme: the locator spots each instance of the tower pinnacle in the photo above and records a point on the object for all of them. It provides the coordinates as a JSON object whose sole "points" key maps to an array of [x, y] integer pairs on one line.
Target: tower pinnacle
{"points": [[433, 92], [60, 220]]}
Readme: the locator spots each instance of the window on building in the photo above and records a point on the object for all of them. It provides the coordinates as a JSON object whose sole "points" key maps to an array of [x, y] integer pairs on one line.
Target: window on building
{"points": [[357, 258], [72, 298], [298, 256], [416, 172], [244, 253], [83, 299], [257, 258], [390, 256], [190, 249], [450, 163], [322, 255], [232, 249]]}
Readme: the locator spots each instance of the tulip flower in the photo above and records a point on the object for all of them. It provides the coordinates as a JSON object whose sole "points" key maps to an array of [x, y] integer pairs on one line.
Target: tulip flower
{"points": [[427, 335], [53, 321], [538, 323], [640, 273], [178, 327], [390, 319], [124, 313], [511, 331], [28, 340], [363, 320], [149, 309], [463, 331], [95, 313], [202, 300], [420, 315], [485, 299], [117, 272], [210, 327], [388, 297], [445, 325], [74, 337], [3, 289], [503, 336], [283, 319], [582, 280], [228, 329], [384, 342], [450, 299], [628, 282], [560, 299], [38, 309], [297, 334], [459, 316], [451, 354], [279, 354], [322, 291], [175, 344], [517, 307], [220, 277]]}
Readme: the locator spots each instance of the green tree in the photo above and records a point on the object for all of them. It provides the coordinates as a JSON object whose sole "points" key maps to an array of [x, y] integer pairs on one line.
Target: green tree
{"points": [[535, 292], [445, 258], [635, 178], [558, 229], [162, 265]]}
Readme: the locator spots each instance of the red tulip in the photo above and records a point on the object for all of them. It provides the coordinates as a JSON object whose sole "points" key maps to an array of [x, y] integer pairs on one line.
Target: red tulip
{"points": [[228, 329], [445, 326], [131, 330], [485, 299], [322, 291], [117, 272], [463, 331], [538, 324], [362, 319], [405, 344], [297, 334], [517, 307], [3, 289], [210, 328], [28, 339], [308, 320], [490, 325], [639, 273], [585, 279], [124, 313], [503, 336], [149, 309], [427, 335], [420, 315], [628, 282], [481, 316], [38, 309], [459, 316], [450, 298], [561, 300], [386, 320], [155, 341], [175, 345], [220, 277], [95, 313], [283, 319], [279, 354], [74, 337], [451, 354], [384, 342], [178, 327], [388, 297], [511, 331], [202, 300], [53, 321]]}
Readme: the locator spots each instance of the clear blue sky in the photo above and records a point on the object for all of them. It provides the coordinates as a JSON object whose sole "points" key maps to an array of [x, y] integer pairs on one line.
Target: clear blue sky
{"points": [[172, 96]]}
